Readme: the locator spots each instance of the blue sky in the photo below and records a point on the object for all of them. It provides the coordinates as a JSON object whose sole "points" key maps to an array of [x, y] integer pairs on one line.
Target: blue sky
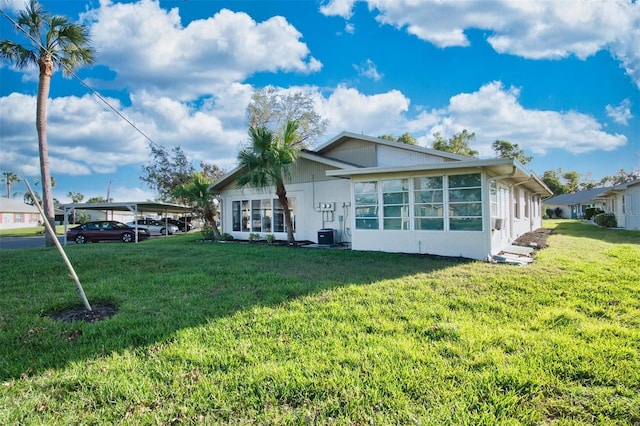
{"points": [[559, 78]]}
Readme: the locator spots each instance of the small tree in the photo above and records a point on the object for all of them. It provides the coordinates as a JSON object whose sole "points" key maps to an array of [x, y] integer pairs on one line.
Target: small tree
{"points": [[267, 161], [196, 191], [166, 172], [8, 179]]}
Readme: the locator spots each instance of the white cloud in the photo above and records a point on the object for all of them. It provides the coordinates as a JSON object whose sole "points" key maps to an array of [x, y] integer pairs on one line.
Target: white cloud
{"points": [[369, 70], [349, 28], [494, 112], [343, 8], [149, 49], [535, 29], [348, 109], [620, 114]]}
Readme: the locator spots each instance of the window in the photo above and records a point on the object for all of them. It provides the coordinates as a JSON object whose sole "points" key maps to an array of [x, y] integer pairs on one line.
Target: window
{"points": [[516, 203], [465, 202], [493, 198], [263, 215], [19, 218], [526, 204], [366, 205], [395, 200], [428, 198], [236, 215]]}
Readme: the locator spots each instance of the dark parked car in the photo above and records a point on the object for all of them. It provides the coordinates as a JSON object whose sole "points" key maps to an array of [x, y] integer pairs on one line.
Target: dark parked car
{"points": [[181, 224], [105, 230]]}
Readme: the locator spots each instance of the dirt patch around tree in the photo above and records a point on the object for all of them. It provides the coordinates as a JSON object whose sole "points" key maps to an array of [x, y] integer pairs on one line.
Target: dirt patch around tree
{"points": [[97, 313]]}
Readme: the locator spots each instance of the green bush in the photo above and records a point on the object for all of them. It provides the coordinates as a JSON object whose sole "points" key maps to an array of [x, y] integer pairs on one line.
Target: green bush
{"points": [[549, 212], [606, 220], [270, 238], [207, 232], [591, 212], [558, 212], [254, 236], [227, 237]]}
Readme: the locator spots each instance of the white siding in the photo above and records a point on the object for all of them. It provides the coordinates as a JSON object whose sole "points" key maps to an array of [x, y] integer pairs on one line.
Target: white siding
{"points": [[632, 207], [388, 157]]}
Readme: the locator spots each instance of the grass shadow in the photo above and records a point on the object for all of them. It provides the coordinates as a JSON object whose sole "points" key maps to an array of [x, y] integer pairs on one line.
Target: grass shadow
{"points": [[161, 287]]}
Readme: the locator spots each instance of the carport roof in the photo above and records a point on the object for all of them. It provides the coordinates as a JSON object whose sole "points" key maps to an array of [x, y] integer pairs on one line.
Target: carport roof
{"points": [[139, 206]]}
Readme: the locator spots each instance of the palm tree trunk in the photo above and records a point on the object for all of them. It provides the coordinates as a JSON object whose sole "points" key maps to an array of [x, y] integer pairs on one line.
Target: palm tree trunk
{"points": [[281, 192], [46, 69], [209, 217]]}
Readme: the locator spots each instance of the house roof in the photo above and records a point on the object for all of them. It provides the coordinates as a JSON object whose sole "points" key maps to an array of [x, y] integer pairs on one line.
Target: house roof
{"points": [[14, 205], [502, 167], [580, 197], [347, 136]]}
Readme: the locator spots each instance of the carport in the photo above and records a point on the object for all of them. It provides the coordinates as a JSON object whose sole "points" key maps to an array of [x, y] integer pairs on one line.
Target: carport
{"points": [[135, 207]]}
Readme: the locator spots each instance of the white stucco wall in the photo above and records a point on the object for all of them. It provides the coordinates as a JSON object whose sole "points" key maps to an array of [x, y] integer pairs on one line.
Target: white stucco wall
{"points": [[309, 219], [632, 207], [467, 244]]}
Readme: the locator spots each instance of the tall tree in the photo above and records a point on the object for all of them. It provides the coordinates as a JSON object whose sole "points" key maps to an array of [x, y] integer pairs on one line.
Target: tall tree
{"points": [[551, 178], [53, 43], [273, 108], [76, 197], [621, 177], [267, 161], [505, 149], [197, 192], [8, 179], [165, 172], [457, 144], [95, 200], [405, 138]]}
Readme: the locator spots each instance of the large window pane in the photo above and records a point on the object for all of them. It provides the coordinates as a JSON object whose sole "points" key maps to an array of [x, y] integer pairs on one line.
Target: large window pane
{"points": [[465, 224], [470, 194], [465, 209], [435, 196], [424, 224], [434, 182], [464, 181]]}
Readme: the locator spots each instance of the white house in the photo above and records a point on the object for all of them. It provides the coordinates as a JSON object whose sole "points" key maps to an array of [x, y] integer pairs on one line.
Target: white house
{"points": [[14, 213], [624, 201], [374, 194], [574, 205]]}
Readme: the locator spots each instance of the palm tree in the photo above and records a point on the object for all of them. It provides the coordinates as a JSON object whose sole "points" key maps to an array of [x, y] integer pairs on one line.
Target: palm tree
{"points": [[197, 192], [267, 163], [54, 42], [9, 178]]}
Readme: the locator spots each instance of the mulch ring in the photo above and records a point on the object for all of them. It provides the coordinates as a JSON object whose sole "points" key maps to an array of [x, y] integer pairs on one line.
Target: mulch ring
{"points": [[536, 239], [97, 313]]}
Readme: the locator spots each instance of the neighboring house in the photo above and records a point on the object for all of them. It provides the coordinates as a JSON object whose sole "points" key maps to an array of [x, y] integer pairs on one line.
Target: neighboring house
{"points": [[574, 205], [14, 213], [374, 194], [624, 201]]}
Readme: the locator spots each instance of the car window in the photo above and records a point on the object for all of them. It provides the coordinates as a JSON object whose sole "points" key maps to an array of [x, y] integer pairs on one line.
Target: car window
{"points": [[119, 225], [91, 226], [106, 225]]}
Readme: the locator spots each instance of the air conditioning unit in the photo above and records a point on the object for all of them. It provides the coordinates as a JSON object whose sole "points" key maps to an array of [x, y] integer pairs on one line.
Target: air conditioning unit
{"points": [[496, 223], [327, 237]]}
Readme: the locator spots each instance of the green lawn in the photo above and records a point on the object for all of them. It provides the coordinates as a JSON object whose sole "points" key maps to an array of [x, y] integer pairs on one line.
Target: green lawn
{"points": [[30, 232], [243, 334]]}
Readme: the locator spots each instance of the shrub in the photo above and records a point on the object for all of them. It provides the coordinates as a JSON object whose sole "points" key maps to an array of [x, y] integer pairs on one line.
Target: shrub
{"points": [[227, 237], [254, 237], [606, 220], [558, 212], [549, 212], [207, 232], [270, 238], [590, 212]]}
